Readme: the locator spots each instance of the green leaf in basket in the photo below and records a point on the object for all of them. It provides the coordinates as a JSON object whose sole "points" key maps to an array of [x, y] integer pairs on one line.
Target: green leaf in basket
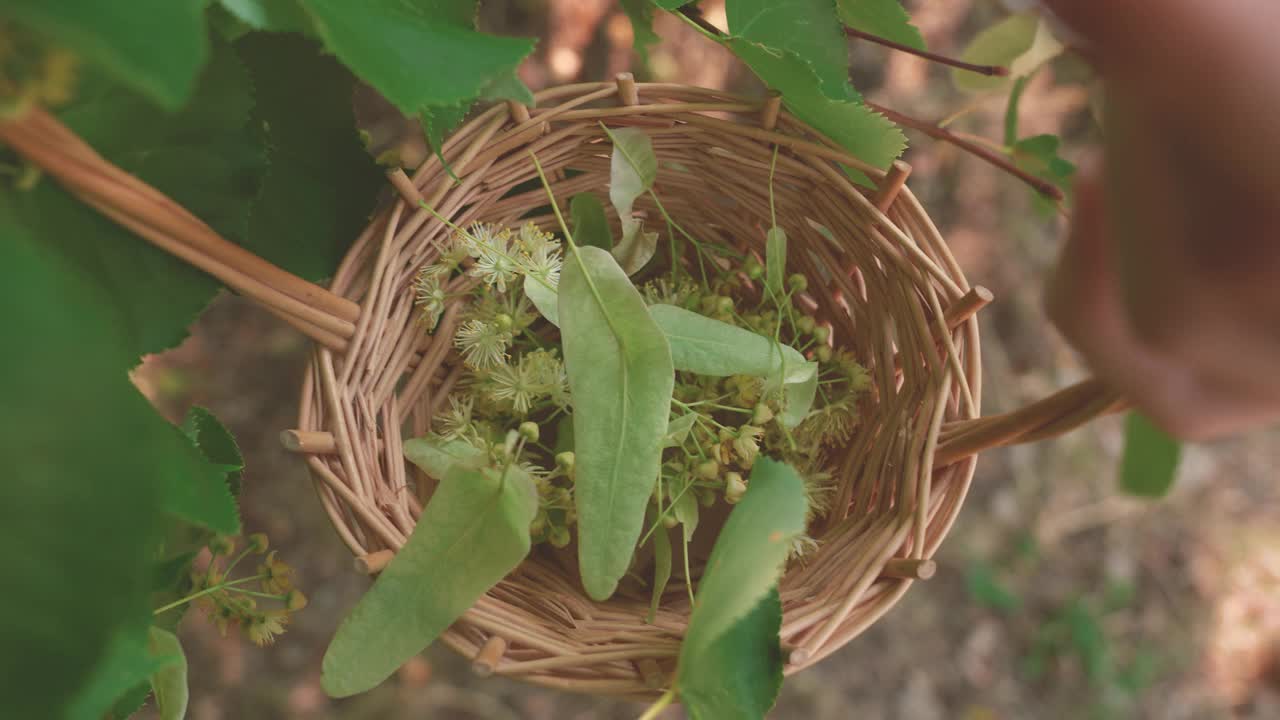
{"points": [[156, 47], [590, 226], [620, 378], [706, 346], [739, 675], [885, 18], [775, 253], [205, 158], [436, 457], [810, 29], [321, 185], [169, 682], [1150, 461], [864, 133], [633, 168], [417, 55], [798, 397], [474, 531], [741, 576], [661, 569]]}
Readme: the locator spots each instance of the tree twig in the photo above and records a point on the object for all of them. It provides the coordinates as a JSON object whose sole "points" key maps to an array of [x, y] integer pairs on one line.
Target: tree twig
{"points": [[989, 70]]}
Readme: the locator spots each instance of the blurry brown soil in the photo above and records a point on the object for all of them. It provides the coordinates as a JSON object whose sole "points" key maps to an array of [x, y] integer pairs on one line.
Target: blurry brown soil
{"points": [[1056, 598]]}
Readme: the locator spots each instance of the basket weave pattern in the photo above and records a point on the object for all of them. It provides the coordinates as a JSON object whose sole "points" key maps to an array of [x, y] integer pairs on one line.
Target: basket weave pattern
{"points": [[883, 282], [878, 272]]}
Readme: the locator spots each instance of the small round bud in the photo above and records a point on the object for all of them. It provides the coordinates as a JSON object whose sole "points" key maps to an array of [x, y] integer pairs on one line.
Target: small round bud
{"points": [[798, 282], [822, 333], [539, 524], [559, 536], [754, 269], [761, 414], [221, 546], [734, 488], [258, 543], [529, 431], [724, 305], [565, 460], [669, 521], [294, 601], [824, 354], [805, 324], [708, 470], [706, 497], [503, 321]]}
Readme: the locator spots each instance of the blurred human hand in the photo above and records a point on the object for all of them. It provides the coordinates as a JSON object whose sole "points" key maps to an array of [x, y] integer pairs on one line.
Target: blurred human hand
{"points": [[1169, 283]]}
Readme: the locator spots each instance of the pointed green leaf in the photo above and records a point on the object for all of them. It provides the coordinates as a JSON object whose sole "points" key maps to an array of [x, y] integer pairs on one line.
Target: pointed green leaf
{"points": [[155, 46], [127, 663], [775, 252], [416, 57], [215, 443], [885, 18], [661, 569], [866, 134], [198, 492], [740, 674], [436, 457], [169, 682], [544, 298], [808, 28], [678, 430], [620, 379], [684, 507], [633, 168], [797, 397], [321, 185], [1038, 155], [636, 248], [743, 570], [706, 346], [474, 531], [590, 226], [1150, 462]]}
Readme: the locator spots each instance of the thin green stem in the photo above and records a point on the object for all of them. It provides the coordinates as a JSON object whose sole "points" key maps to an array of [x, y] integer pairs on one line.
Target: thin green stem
{"points": [[773, 165], [688, 576], [656, 709], [206, 591]]}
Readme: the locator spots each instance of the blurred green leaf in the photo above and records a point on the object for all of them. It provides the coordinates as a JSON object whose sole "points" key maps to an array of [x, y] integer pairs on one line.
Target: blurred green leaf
{"points": [[1011, 112], [1001, 44], [436, 457], [400, 49], [270, 15], [640, 12], [321, 185], [474, 531], [1150, 461], [128, 663], [885, 18], [169, 681], [987, 588], [156, 47]]}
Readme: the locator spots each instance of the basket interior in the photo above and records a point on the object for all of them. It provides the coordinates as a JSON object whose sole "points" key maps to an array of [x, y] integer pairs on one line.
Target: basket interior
{"points": [[880, 279]]}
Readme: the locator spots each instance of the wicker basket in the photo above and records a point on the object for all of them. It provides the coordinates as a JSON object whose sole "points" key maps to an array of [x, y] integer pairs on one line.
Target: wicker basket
{"points": [[882, 277]]}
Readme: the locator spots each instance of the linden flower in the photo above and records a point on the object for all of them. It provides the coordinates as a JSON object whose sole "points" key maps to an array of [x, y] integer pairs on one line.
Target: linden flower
{"points": [[494, 263], [747, 444], [456, 421], [430, 295], [541, 254], [277, 577], [264, 628], [483, 345]]}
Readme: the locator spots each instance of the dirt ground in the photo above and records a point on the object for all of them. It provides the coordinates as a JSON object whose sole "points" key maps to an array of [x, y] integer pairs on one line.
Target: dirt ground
{"points": [[1056, 597]]}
